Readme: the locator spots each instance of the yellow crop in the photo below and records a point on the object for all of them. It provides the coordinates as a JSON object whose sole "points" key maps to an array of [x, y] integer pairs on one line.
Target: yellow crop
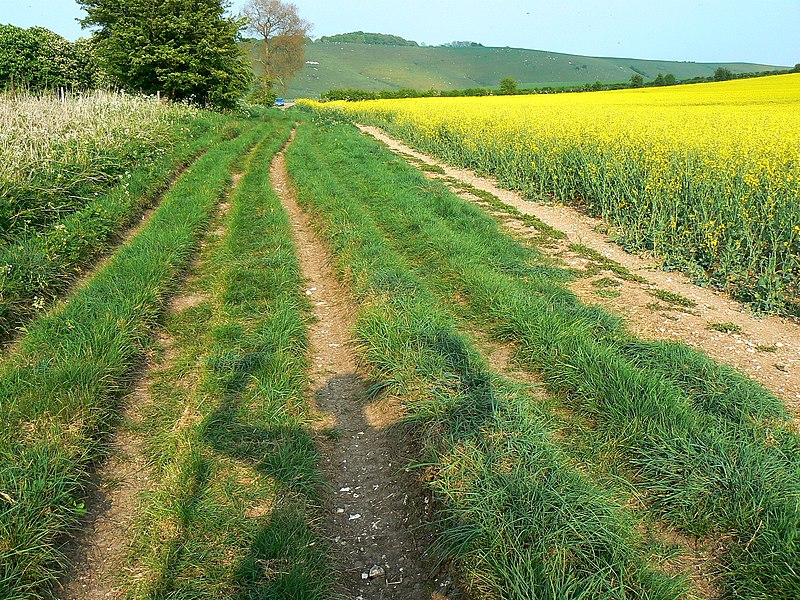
{"points": [[707, 176]]}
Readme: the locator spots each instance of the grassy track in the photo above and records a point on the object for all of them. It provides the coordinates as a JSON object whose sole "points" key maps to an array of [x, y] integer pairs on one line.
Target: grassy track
{"points": [[518, 516], [707, 450], [37, 264], [59, 390], [233, 449], [697, 175]]}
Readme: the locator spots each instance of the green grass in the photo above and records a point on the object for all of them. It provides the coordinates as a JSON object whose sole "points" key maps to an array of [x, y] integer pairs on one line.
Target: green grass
{"points": [[371, 67], [602, 262], [672, 298], [495, 203], [60, 389], [37, 265], [726, 327], [707, 450], [239, 479], [518, 517]]}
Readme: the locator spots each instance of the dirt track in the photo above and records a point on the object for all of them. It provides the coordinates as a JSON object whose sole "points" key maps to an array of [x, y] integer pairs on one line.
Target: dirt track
{"points": [[376, 509], [767, 349]]}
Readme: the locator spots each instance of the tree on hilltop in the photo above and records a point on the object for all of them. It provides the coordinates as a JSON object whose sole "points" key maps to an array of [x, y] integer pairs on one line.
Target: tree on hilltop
{"points": [[284, 34], [184, 50], [722, 74]]}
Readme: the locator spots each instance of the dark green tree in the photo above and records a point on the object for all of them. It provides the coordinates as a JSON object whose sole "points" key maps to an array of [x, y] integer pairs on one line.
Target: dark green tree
{"points": [[37, 59], [669, 79], [508, 85], [659, 80], [722, 74], [637, 81], [184, 49]]}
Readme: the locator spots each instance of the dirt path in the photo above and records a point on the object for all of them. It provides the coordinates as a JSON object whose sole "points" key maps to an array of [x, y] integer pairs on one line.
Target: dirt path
{"points": [[99, 549], [376, 511], [767, 349]]}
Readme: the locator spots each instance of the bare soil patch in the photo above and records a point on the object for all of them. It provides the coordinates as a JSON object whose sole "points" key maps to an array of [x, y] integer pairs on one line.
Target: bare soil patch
{"points": [[376, 511], [766, 348]]}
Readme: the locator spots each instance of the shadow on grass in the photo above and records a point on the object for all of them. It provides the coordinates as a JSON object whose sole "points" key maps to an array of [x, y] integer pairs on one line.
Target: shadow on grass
{"points": [[285, 558]]}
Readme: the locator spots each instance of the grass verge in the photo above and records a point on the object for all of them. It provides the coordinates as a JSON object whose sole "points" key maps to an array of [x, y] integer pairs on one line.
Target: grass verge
{"points": [[704, 448], [520, 519], [59, 390], [37, 265], [228, 427]]}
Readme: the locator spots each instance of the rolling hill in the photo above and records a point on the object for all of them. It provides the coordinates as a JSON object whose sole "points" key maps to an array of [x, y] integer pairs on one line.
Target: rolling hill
{"points": [[337, 65]]}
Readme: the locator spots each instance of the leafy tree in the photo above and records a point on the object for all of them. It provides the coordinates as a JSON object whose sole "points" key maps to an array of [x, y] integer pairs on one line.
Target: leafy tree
{"points": [[508, 85], [797, 68], [284, 34], [361, 37], [659, 80], [669, 79], [637, 81], [722, 74], [38, 59], [186, 50]]}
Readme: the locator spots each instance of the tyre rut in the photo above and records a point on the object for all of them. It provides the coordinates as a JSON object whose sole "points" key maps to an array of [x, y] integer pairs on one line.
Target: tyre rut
{"points": [[375, 511]]}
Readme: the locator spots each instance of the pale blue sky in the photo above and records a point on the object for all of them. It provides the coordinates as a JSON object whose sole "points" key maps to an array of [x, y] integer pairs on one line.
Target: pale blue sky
{"points": [[700, 30]]}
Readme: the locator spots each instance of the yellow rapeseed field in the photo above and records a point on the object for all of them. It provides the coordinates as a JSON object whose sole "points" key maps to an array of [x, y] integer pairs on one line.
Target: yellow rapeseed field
{"points": [[707, 175]]}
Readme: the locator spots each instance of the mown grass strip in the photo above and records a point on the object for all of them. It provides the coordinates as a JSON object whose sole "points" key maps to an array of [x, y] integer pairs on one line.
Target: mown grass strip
{"points": [[37, 267], [59, 390], [708, 449], [234, 449], [521, 521]]}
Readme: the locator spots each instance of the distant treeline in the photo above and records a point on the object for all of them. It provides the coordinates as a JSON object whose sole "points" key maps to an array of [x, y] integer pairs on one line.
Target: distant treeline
{"points": [[361, 37], [384, 39], [637, 81]]}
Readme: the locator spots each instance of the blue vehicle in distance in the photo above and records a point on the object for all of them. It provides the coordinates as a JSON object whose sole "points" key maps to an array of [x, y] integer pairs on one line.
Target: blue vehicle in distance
{"points": [[279, 102]]}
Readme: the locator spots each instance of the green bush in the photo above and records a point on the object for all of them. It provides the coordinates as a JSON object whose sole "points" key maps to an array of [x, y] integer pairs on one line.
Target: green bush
{"points": [[37, 59], [186, 51]]}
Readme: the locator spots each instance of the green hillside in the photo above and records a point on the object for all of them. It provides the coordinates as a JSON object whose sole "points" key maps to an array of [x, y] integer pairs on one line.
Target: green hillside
{"points": [[380, 67]]}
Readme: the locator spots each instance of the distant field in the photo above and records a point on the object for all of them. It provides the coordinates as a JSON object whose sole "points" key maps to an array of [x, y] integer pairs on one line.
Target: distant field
{"points": [[373, 67], [705, 176]]}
